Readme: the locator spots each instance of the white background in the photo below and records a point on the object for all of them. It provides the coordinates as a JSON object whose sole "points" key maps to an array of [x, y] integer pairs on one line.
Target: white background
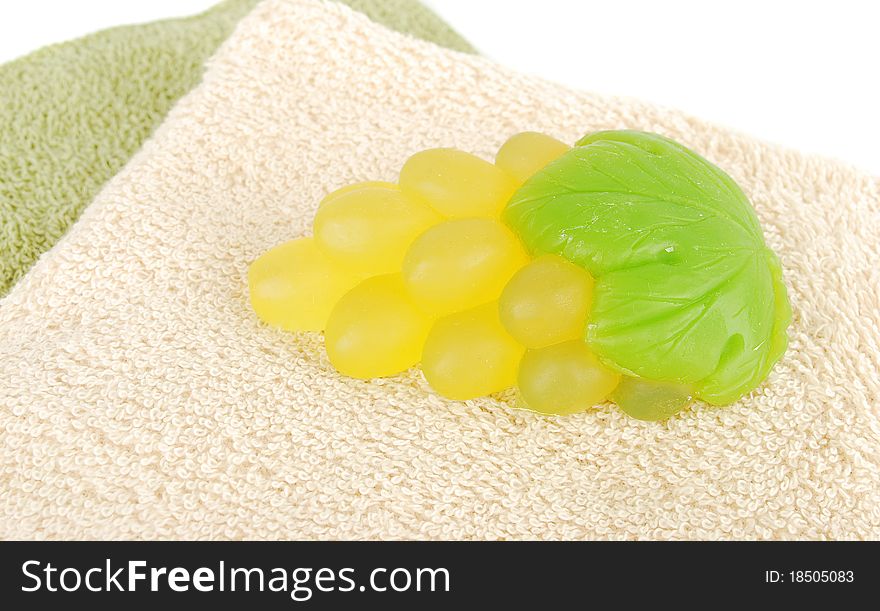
{"points": [[805, 74]]}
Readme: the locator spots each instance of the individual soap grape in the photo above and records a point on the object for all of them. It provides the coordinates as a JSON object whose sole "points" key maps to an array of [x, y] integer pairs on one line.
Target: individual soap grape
{"points": [[461, 263], [649, 400], [564, 378], [456, 184], [356, 187], [375, 330], [469, 354], [546, 302], [294, 286], [371, 227], [525, 153]]}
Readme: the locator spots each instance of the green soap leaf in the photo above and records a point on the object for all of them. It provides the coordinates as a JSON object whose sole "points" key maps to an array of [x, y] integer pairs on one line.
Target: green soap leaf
{"points": [[686, 289]]}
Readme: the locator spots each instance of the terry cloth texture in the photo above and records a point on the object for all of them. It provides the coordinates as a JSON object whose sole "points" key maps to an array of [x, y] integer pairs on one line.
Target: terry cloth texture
{"points": [[141, 398], [72, 114]]}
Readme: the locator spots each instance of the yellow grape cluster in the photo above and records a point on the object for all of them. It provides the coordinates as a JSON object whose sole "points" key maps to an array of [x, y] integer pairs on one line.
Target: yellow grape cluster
{"points": [[424, 271]]}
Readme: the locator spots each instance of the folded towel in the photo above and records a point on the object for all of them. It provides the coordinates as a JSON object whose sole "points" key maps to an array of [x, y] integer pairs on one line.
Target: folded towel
{"points": [[72, 114], [141, 398]]}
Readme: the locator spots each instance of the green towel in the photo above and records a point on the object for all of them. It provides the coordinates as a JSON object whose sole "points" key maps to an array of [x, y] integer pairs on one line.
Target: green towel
{"points": [[72, 114]]}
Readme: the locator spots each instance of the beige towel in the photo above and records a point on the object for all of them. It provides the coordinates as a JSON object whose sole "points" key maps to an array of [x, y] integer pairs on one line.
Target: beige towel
{"points": [[140, 397]]}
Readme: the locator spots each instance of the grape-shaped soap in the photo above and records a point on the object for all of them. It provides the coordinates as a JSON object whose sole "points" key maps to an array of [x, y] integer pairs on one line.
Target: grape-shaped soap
{"points": [[626, 267], [295, 285], [469, 354], [456, 184], [546, 302], [564, 378], [461, 263], [375, 330], [370, 228]]}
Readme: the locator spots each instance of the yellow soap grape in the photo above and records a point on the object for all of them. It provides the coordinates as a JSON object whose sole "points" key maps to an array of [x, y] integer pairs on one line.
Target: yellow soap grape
{"points": [[371, 227], [461, 263], [469, 354], [456, 184], [375, 329], [651, 400], [356, 187], [294, 286], [546, 302], [564, 378], [525, 153]]}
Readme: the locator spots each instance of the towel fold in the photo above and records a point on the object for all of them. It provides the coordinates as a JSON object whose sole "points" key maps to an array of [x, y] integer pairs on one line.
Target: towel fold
{"points": [[141, 398], [72, 114]]}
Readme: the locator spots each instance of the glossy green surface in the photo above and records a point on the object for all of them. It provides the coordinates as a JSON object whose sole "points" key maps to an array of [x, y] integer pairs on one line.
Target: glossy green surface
{"points": [[686, 289]]}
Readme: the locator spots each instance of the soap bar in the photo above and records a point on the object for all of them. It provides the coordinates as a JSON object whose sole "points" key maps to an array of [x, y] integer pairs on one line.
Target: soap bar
{"points": [[626, 268]]}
